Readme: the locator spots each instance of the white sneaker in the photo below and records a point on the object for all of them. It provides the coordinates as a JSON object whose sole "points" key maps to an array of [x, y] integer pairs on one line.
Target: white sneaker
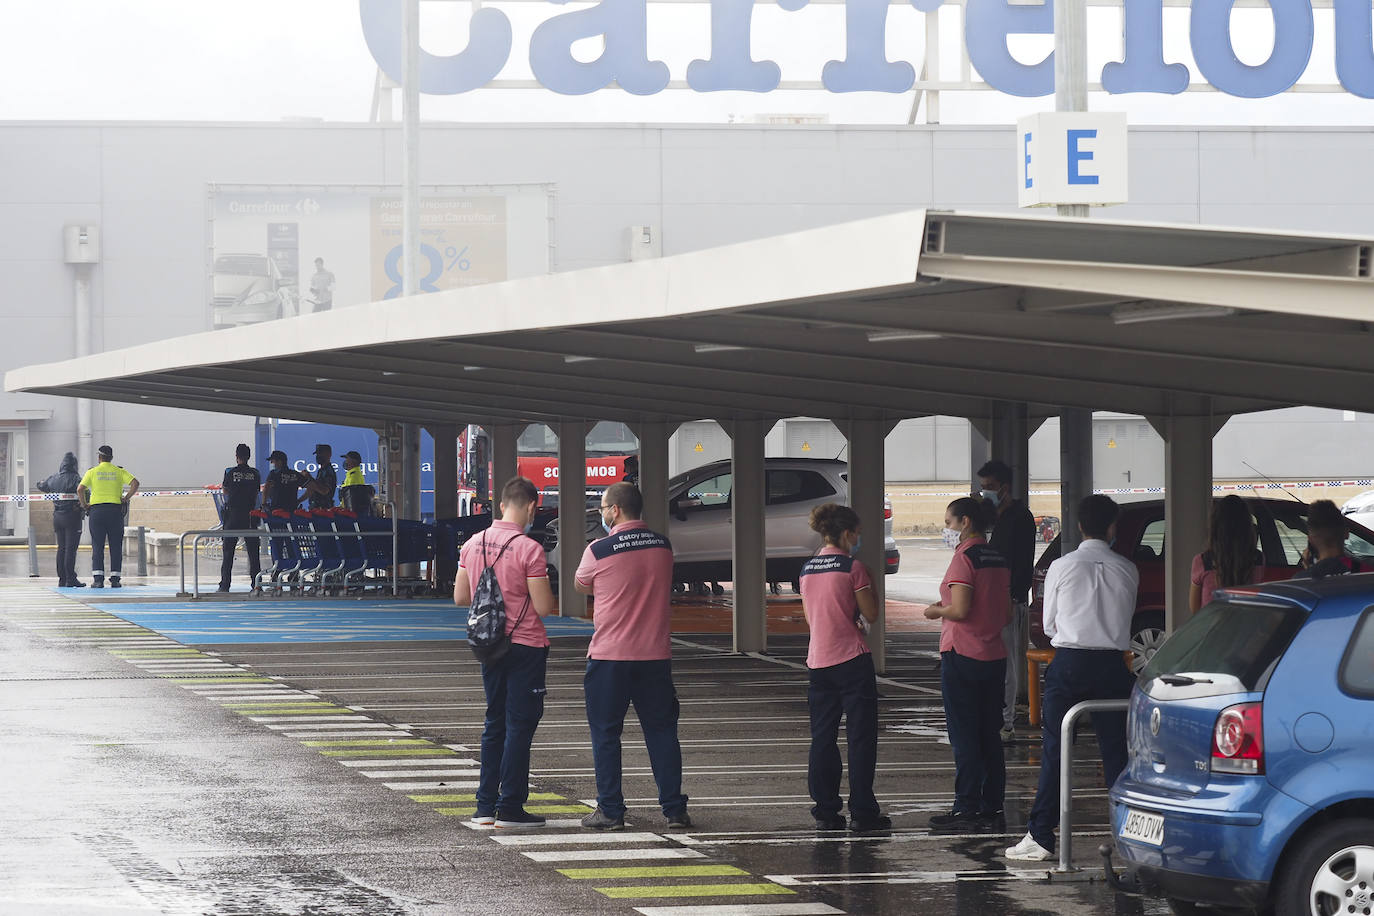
{"points": [[483, 820], [1028, 851]]}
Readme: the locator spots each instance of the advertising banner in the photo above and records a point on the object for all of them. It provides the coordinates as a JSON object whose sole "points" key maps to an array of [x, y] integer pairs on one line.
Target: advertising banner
{"points": [[280, 251]]}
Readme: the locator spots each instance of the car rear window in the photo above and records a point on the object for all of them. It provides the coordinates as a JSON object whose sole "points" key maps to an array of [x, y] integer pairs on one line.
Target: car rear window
{"points": [[1240, 640], [1357, 668]]}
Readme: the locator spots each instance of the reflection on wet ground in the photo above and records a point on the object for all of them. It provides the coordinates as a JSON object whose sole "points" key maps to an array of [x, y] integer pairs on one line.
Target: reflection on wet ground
{"points": [[325, 777]]}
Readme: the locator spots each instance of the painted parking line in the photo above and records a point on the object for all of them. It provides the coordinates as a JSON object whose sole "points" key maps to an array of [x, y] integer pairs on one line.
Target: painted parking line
{"points": [[556, 839], [612, 855], [652, 871], [695, 890], [469, 810], [756, 909], [411, 786], [469, 796], [912, 877]]}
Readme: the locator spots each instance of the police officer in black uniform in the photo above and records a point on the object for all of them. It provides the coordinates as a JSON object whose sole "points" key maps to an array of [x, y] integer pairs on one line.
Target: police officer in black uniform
{"points": [[326, 477], [241, 485], [284, 484]]}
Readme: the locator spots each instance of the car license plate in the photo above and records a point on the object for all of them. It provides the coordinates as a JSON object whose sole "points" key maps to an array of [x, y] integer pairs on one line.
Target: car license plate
{"points": [[1143, 827]]}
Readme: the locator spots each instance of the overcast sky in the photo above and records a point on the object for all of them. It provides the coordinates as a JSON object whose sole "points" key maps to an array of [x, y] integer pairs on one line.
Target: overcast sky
{"points": [[264, 60]]}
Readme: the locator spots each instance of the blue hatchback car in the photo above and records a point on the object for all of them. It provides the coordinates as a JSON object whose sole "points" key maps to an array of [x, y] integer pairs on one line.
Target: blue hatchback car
{"points": [[1251, 776]]}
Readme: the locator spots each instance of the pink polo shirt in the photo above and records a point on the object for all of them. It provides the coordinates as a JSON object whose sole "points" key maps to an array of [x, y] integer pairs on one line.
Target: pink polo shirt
{"points": [[522, 561], [979, 635], [829, 581], [630, 572]]}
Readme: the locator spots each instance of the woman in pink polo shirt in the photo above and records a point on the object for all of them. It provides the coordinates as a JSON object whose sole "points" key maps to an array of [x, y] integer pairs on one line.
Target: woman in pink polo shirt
{"points": [[974, 606], [837, 599], [1232, 556]]}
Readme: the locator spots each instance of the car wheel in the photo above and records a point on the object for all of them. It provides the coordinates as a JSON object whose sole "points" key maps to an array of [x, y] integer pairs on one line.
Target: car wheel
{"points": [[1331, 872], [1146, 637]]}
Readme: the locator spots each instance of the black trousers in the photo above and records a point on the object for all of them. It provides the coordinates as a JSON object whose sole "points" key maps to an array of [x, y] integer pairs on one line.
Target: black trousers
{"points": [[250, 546], [66, 524], [849, 689], [107, 524]]}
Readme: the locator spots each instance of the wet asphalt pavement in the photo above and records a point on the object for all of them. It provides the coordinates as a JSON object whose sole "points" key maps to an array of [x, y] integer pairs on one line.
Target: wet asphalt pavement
{"points": [[313, 771]]}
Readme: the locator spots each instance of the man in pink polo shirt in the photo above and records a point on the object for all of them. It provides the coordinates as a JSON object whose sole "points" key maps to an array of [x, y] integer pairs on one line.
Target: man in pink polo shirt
{"points": [[629, 575], [514, 685]]}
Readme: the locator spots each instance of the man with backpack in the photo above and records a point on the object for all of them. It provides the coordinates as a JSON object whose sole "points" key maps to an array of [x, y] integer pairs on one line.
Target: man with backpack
{"points": [[629, 574], [502, 573]]}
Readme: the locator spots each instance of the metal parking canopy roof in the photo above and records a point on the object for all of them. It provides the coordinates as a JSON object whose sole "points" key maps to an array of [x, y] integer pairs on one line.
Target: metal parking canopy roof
{"points": [[915, 313]]}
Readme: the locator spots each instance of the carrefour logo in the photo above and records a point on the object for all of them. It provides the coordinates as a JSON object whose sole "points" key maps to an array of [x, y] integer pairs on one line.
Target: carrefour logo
{"points": [[622, 26]]}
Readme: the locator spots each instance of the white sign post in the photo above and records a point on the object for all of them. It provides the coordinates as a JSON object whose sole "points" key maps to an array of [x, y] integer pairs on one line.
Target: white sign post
{"points": [[1071, 157]]}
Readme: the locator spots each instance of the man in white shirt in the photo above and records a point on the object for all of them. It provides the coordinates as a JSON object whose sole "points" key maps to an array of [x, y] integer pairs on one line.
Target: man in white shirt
{"points": [[1090, 597]]}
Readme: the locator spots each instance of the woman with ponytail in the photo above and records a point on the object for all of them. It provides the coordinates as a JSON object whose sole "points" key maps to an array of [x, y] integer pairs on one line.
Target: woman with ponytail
{"points": [[1231, 557], [974, 606], [837, 599]]}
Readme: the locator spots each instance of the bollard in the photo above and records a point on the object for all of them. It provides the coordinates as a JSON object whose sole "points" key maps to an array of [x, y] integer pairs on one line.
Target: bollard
{"points": [[33, 554], [142, 551]]}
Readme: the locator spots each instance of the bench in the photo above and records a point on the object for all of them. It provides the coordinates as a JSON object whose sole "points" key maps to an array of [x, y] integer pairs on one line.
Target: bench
{"points": [[1034, 659]]}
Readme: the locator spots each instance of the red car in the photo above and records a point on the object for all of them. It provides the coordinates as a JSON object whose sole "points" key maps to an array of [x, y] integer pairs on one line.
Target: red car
{"points": [[1282, 525]]}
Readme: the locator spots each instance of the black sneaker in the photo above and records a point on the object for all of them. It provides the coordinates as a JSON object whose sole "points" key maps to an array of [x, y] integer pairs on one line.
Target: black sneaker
{"points": [[222, 588], [956, 820], [76, 583], [600, 820], [680, 822], [831, 822], [870, 824], [992, 820], [518, 818], [98, 582], [115, 583]]}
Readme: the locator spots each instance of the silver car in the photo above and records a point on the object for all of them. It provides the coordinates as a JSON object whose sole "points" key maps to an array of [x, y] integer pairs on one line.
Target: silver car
{"points": [[699, 520]]}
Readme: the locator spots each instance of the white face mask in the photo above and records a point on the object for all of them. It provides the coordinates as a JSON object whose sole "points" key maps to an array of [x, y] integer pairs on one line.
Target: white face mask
{"points": [[950, 536], [994, 496]]}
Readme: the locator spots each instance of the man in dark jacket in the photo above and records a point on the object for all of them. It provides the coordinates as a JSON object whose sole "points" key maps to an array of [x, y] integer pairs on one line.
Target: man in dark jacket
{"points": [[1013, 536], [66, 520], [284, 484], [240, 487], [326, 477]]}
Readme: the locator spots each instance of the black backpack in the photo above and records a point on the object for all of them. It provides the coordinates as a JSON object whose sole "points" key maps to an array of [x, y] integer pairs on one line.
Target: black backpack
{"points": [[487, 616]]}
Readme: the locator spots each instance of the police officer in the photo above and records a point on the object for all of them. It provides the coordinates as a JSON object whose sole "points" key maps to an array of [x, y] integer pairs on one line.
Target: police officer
{"points": [[629, 574], [326, 477], [356, 494], [240, 487], [66, 520], [284, 484], [102, 494]]}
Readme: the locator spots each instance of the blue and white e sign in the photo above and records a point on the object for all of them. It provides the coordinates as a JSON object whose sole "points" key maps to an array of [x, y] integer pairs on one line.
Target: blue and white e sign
{"points": [[1073, 157]]}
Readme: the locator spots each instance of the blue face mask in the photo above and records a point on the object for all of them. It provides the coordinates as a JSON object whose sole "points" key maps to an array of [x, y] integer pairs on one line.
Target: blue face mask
{"points": [[605, 525], [858, 542]]}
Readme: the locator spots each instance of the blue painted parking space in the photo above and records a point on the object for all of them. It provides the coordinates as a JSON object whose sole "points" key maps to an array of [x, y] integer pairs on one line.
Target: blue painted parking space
{"points": [[311, 622]]}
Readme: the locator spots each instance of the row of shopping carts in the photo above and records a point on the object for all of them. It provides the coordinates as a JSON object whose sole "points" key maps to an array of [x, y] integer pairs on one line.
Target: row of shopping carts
{"points": [[335, 552]]}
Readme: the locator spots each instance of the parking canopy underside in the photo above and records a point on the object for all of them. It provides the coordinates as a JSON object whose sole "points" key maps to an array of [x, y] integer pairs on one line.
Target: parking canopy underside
{"points": [[916, 313]]}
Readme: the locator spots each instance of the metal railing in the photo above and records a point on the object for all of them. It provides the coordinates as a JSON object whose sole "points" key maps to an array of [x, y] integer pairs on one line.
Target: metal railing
{"points": [[1066, 772], [206, 534]]}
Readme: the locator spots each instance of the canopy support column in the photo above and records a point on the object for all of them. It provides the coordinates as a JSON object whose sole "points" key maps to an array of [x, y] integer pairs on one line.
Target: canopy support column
{"points": [[1075, 471], [866, 491], [653, 472], [572, 514], [503, 458], [748, 489], [1187, 504]]}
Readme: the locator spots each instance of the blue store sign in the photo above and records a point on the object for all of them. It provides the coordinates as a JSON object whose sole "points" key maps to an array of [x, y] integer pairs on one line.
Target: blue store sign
{"points": [[622, 25]]}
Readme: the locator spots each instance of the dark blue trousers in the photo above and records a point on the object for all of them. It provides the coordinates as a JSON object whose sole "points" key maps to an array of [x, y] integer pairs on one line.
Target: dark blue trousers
{"points": [[611, 686], [1076, 675], [973, 717], [515, 704], [250, 546], [849, 688], [66, 524], [107, 524]]}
